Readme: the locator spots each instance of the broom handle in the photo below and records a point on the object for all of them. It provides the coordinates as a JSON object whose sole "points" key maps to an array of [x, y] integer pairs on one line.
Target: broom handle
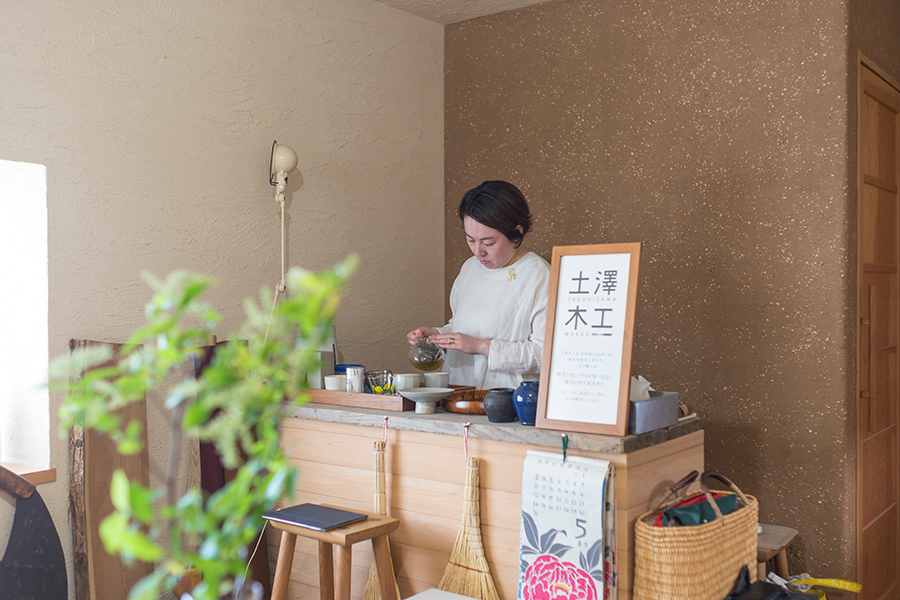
{"points": [[472, 492], [380, 498], [14, 484]]}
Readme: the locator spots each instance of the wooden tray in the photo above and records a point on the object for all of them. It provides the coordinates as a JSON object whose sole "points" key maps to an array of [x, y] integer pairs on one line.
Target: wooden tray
{"points": [[357, 400]]}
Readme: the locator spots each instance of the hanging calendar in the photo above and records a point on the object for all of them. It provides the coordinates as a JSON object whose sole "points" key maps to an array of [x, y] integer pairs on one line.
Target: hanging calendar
{"points": [[567, 540]]}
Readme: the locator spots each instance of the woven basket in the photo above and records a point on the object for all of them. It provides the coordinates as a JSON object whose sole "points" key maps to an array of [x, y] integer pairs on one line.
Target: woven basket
{"points": [[700, 562]]}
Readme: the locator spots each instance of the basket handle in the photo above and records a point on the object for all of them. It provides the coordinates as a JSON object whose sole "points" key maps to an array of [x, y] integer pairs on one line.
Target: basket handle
{"points": [[676, 489], [705, 488]]}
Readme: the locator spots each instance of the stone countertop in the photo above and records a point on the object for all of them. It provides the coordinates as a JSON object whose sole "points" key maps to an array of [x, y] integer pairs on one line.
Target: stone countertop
{"points": [[447, 423]]}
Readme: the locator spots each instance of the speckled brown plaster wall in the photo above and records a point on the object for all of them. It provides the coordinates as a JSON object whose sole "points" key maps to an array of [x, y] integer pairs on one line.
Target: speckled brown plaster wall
{"points": [[715, 133]]}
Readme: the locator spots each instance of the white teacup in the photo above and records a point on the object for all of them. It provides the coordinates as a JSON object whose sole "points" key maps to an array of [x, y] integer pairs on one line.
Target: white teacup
{"points": [[437, 380], [406, 381], [336, 382]]}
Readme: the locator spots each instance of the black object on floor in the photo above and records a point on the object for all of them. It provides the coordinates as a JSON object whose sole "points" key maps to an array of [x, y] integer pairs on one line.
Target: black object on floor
{"points": [[762, 590]]}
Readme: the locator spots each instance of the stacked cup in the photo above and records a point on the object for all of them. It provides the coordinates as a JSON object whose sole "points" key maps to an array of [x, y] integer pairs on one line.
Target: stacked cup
{"points": [[406, 381], [437, 380]]}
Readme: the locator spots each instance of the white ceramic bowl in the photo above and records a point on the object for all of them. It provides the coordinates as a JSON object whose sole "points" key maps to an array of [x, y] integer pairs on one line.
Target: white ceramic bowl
{"points": [[426, 398]]}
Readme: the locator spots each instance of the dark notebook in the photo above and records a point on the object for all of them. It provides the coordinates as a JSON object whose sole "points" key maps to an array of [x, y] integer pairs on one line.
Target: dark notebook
{"points": [[315, 516]]}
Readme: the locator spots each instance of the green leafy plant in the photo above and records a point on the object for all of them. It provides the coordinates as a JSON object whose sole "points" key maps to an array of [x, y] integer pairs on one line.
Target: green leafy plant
{"points": [[236, 403]]}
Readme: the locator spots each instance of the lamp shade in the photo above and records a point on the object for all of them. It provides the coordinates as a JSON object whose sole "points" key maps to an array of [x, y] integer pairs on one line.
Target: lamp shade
{"points": [[283, 159]]}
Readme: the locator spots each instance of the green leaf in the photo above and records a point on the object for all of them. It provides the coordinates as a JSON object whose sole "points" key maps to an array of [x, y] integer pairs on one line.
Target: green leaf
{"points": [[209, 550], [194, 288], [151, 280], [120, 492], [142, 503], [276, 487], [147, 588], [135, 543], [181, 392], [112, 529], [131, 443], [100, 373], [128, 446], [203, 589], [103, 421]]}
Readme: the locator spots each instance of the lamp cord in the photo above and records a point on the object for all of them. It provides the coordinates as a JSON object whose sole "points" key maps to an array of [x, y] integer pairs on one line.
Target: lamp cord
{"points": [[262, 535], [281, 287], [271, 314]]}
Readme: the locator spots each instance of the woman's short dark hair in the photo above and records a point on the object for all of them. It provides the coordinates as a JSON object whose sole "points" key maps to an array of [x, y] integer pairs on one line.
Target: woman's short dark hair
{"points": [[498, 205]]}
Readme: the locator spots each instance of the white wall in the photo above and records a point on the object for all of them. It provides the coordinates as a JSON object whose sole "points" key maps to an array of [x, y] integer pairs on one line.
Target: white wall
{"points": [[155, 122]]}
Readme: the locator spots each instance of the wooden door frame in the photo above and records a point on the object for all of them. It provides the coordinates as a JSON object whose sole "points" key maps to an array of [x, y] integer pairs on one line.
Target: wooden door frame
{"points": [[863, 63]]}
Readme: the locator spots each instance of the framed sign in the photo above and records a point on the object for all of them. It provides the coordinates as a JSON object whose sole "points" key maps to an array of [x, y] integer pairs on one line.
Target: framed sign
{"points": [[586, 366]]}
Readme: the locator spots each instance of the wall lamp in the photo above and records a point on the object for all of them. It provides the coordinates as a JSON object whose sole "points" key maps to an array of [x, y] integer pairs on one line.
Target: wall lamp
{"points": [[281, 163]]}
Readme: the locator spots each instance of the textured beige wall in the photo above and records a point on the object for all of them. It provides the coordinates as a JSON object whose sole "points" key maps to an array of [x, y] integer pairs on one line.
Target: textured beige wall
{"points": [[155, 122], [715, 133]]}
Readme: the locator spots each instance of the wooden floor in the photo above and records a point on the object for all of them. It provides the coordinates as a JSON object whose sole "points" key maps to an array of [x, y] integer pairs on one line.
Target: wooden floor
{"points": [[425, 477]]}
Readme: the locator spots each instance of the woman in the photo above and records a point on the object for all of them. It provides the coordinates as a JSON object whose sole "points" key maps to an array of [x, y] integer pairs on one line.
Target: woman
{"points": [[495, 336]]}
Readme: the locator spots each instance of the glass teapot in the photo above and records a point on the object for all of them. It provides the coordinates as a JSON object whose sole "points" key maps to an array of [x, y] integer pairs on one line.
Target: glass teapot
{"points": [[425, 355]]}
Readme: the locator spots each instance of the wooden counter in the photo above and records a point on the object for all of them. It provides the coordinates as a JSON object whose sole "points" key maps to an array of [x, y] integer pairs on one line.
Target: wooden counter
{"points": [[425, 476]]}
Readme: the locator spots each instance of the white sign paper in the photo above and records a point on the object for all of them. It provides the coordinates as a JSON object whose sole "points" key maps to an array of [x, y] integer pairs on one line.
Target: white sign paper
{"points": [[567, 539], [588, 338]]}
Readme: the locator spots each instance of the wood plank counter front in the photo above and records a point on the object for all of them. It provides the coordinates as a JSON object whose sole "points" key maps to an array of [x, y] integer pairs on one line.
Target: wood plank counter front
{"points": [[425, 471]]}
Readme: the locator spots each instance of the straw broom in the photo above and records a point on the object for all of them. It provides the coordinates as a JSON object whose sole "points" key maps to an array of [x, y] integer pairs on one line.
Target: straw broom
{"points": [[373, 589], [468, 573]]}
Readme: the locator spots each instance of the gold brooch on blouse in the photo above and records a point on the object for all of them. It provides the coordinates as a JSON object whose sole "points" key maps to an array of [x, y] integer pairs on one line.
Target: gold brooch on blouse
{"points": [[512, 274]]}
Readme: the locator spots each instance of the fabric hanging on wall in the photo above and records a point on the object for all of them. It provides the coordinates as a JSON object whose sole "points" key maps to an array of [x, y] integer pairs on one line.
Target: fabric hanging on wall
{"points": [[567, 540], [610, 544]]}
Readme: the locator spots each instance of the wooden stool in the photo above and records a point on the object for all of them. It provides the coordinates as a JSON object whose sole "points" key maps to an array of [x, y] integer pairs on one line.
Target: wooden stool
{"points": [[375, 528], [773, 542]]}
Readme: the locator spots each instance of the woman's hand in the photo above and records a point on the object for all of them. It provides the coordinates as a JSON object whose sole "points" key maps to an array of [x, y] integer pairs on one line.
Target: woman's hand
{"points": [[419, 333], [462, 343]]}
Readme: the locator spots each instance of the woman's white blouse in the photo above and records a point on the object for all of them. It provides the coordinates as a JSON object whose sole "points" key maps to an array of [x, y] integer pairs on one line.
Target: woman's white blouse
{"points": [[507, 306]]}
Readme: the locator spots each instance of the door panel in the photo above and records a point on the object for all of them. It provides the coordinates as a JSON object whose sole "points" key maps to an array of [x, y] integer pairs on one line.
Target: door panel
{"points": [[878, 349], [878, 359], [878, 214], [879, 554], [882, 459]]}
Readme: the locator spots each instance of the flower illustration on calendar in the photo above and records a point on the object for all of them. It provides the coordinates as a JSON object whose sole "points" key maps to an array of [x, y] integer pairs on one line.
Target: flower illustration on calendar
{"points": [[547, 576]]}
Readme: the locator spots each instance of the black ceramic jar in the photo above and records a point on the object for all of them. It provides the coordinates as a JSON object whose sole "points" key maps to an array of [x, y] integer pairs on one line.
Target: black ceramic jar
{"points": [[498, 405]]}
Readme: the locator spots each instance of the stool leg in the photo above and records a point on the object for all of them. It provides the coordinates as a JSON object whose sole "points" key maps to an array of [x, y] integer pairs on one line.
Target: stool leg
{"points": [[342, 583], [283, 566], [383, 565], [781, 563], [761, 571], [326, 571]]}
